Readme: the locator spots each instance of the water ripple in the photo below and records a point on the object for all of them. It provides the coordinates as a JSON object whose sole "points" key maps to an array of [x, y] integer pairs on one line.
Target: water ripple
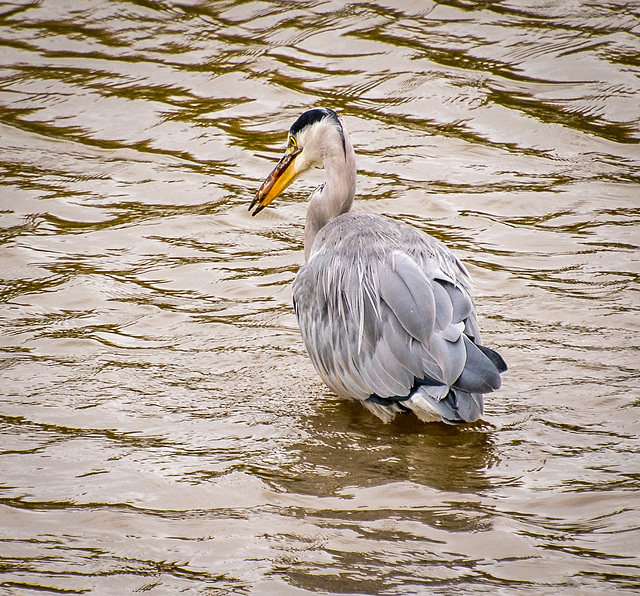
{"points": [[162, 428]]}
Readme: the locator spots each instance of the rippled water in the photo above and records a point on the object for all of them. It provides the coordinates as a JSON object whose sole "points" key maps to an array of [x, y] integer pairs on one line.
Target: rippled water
{"points": [[162, 428]]}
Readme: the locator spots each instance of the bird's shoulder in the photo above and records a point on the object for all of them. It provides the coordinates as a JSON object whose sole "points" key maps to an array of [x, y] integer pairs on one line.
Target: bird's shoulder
{"points": [[369, 241]]}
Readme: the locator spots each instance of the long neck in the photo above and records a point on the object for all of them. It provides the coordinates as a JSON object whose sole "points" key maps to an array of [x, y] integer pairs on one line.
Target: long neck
{"points": [[335, 197]]}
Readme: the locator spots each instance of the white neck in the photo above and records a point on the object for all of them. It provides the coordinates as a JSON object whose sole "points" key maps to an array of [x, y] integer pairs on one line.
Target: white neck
{"points": [[336, 196]]}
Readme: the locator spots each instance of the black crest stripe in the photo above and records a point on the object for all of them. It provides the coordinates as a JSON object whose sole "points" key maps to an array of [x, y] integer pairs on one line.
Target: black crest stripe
{"points": [[312, 116]]}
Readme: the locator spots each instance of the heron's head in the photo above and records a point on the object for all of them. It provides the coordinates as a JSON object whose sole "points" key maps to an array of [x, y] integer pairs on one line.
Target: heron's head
{"points": [[313, 137]]}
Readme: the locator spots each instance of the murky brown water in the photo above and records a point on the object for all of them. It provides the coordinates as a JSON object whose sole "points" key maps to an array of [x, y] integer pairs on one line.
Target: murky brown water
{"points": [[162, 428]]}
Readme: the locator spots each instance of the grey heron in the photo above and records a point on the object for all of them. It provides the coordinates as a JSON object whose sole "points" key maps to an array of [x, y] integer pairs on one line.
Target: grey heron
{"points": [[385, 310]]}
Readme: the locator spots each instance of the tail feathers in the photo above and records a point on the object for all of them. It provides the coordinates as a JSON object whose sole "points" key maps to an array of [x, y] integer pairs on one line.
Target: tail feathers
{"points": [[431, 400], [481, 373], [470, 405], [456, 407], [492, 355], [385, 411]]}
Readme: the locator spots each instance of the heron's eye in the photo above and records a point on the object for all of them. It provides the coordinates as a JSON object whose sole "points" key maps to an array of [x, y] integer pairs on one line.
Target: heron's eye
{"points": [[293, 145]]}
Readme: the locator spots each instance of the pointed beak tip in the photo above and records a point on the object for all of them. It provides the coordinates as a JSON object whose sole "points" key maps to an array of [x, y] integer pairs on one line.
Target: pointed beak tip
{"points": [[255, 204]]}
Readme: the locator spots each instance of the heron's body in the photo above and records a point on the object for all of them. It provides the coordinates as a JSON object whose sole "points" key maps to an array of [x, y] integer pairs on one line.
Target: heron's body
{"points": [[385, 310]]}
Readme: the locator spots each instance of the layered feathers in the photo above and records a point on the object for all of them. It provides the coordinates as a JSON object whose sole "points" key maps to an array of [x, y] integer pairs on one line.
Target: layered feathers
{"points": [[385, 310], [387, 318]]}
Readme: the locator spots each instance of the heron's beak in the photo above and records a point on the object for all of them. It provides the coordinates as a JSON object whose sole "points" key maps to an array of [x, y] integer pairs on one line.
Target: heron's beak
{"points": [[282, 176]]}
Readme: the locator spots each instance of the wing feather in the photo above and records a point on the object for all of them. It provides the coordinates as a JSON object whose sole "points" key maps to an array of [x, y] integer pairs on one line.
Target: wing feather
{"points": [[385, 312], [407, 292]]}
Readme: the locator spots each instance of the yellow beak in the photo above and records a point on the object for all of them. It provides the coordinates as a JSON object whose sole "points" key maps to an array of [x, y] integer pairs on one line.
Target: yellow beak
{"points": [[282, 176]]}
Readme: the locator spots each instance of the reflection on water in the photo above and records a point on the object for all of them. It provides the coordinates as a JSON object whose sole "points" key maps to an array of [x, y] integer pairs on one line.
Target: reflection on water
{"points": [[404, 450], [162, 428]]}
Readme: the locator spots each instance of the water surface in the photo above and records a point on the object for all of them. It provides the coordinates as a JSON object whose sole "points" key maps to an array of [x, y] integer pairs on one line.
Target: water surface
{"points": [[162, 428]]}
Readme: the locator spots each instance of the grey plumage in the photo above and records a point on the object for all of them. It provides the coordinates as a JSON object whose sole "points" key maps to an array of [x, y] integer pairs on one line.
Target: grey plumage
{"points": [[385, 310]]}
